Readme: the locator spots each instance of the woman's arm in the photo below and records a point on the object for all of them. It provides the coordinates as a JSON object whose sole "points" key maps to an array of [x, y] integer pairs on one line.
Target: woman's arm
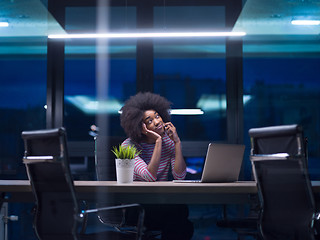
{"points": [[179, 164], [154, 163], [141, 171]]}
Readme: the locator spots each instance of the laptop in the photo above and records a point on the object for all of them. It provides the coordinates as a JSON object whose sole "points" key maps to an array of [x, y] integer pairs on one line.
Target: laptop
{"points": [[222, 164]]}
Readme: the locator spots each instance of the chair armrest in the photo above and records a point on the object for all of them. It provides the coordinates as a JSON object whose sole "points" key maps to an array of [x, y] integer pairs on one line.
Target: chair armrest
{"points": [[110, 208], [39, 159], [83, 214], [275, 156]]}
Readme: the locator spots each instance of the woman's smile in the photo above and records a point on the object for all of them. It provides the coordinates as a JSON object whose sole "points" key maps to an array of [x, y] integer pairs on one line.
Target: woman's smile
{"points": [[154, 121]]}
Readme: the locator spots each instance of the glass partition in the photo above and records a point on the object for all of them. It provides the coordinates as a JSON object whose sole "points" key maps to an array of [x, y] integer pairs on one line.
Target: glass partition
{"points": [[191, 72], [83, 74], [284, 90], [22, 107]]}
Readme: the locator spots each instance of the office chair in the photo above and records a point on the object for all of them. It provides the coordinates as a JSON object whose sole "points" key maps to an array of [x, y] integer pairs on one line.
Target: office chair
{"points": [[286, 199], [106, 171], [57, 210], [267, 142], [272, 142]]}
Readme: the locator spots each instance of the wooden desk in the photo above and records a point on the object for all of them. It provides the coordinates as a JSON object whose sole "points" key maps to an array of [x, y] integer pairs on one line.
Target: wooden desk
{"points": [[170, 192], [153, 192]]}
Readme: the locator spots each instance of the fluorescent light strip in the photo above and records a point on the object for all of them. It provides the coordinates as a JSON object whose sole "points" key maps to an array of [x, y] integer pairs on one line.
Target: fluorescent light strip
{"points": [[195, 111], [4, 24], [305, 22], [40, 157], [186, 112], [148, 35]]}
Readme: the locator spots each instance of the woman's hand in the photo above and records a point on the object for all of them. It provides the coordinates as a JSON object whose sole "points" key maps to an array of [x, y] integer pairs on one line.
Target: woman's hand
{"points": [[172, 132], [149, 133]]}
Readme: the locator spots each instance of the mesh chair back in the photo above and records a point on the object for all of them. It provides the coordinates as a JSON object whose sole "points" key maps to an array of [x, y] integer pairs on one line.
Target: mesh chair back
{"points": [[46, 161], [278, 139], [106, 171], [104, 158], [286, 199]]}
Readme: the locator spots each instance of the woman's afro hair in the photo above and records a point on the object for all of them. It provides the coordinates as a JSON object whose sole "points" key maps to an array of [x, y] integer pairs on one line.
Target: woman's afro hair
{"points": [[134, 108]]}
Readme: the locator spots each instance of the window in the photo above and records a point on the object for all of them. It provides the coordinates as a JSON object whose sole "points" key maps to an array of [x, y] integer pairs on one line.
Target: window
{"points": [[88, 72], [284, 90], [22, 107], [191, 73]]}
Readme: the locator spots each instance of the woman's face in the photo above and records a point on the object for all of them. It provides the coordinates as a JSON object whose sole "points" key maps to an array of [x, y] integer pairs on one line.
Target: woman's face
{"points": [[153, 121]]}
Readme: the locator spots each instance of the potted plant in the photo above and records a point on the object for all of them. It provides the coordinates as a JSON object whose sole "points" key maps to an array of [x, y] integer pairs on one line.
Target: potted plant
{"points": [[125, 162]]}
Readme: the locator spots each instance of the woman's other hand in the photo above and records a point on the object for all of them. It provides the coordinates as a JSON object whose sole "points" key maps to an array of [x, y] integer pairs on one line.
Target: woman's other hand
{"points": [[172, 132]]}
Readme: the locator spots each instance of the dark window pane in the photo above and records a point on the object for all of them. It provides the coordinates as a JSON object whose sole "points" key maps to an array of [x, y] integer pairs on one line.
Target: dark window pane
{"points": [[284, 91], [99, 75], [22, 107], [191, 73]]}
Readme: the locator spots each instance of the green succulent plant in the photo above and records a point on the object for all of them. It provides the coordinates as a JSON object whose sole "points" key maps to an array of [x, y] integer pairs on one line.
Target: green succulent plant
{"points": [[125, 152]]}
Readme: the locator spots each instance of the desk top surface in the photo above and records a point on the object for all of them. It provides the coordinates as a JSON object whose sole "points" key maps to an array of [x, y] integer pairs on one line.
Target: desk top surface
{"points": [[169, 186], [113, 186], [150, 192]]}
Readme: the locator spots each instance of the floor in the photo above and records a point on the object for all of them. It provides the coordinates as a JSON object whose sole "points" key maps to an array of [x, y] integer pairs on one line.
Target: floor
{"points": [[204, 218]]}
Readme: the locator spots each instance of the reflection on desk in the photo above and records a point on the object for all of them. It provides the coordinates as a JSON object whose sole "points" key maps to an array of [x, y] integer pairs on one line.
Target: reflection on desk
{"points": [[149, 192]]}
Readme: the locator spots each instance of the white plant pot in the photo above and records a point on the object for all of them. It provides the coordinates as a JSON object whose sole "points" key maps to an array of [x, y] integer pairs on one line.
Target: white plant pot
{"points": [[124, 170]]}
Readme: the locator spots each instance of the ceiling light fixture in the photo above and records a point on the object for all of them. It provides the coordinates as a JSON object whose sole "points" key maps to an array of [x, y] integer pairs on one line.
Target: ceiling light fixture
{"points": [[182, 111], [4, 24], [148, 35], [186, 112], [305, 22]]}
